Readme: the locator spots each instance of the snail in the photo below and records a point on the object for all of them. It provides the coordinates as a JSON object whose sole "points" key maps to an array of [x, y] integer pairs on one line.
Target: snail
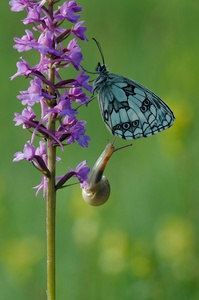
{"points": [[98, 191]]}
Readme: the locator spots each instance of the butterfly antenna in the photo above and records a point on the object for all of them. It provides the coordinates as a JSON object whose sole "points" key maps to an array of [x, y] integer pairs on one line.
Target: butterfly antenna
{"points": [[100, 50]]}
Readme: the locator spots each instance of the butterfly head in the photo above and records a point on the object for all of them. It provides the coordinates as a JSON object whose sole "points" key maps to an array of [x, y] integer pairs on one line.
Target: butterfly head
{"points": [[101, 68], [102, 72]]}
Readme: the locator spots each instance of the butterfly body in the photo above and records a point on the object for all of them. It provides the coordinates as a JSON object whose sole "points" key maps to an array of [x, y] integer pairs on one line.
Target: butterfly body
{"points": [[128, 109]]}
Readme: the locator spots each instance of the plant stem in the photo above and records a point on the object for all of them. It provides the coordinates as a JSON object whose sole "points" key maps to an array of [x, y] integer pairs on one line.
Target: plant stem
{"points": [[51, 207], [50, 222], [51, 195]]}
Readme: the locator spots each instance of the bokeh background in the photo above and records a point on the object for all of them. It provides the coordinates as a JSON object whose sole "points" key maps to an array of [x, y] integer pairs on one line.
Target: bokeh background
{"points": [[143, 243]]}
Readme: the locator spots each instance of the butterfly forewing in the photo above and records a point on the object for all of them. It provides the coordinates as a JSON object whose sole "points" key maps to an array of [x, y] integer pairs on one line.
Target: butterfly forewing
{"points": [[130, 110]]}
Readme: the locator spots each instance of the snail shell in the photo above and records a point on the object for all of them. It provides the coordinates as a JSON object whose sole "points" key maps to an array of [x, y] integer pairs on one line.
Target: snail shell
{"points": [[97, 194], [98, 191]]}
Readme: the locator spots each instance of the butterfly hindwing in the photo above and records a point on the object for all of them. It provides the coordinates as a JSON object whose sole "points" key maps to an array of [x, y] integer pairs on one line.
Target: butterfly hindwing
{"points": [[130, 110]]}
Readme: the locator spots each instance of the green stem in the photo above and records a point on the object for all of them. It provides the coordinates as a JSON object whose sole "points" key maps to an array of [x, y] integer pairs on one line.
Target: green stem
{"points": [[51, 199], [50, 223], [51, 192]]}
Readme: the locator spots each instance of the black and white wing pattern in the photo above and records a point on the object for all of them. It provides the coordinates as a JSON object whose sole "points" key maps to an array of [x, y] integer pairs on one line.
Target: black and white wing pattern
{"points": [[130, 110]]}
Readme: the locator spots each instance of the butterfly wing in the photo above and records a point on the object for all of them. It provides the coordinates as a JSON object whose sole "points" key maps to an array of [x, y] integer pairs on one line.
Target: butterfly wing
{"points": [[130, 110]]}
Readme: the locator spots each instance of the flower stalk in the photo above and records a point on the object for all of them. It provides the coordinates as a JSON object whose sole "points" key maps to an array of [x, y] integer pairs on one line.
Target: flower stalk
{"points": [[50, 226], [51, 218]]}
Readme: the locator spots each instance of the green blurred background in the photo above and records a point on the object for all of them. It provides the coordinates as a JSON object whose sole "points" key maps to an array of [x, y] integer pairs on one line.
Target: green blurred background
{"points": [[144, 243]]}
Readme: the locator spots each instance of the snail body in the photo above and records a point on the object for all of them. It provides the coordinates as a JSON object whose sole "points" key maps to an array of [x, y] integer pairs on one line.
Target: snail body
{"points": [[98, 190]]}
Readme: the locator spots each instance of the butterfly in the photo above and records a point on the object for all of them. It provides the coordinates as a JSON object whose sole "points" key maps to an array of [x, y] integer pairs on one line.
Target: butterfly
{"points": [[129, 109]]}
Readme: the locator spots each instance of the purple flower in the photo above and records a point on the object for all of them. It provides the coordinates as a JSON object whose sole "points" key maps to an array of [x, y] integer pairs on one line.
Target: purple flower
{"points": [[82, 80], [34, 93], [25, 118], [19, 5], [41, 150], [79, 31], [23, 69], [76, 131], [43, 66], [76, 94], [45, 44], [63, 108], [73, 53], [48, 89], [38, 157], [73, 45], [26, 42], [42, 186], [81, 172], [67, 11], [34, 15], [28, 153]]}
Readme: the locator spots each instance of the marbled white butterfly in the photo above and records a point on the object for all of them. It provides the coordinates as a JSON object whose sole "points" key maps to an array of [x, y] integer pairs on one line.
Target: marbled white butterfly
{"points": [[128, 109]]}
